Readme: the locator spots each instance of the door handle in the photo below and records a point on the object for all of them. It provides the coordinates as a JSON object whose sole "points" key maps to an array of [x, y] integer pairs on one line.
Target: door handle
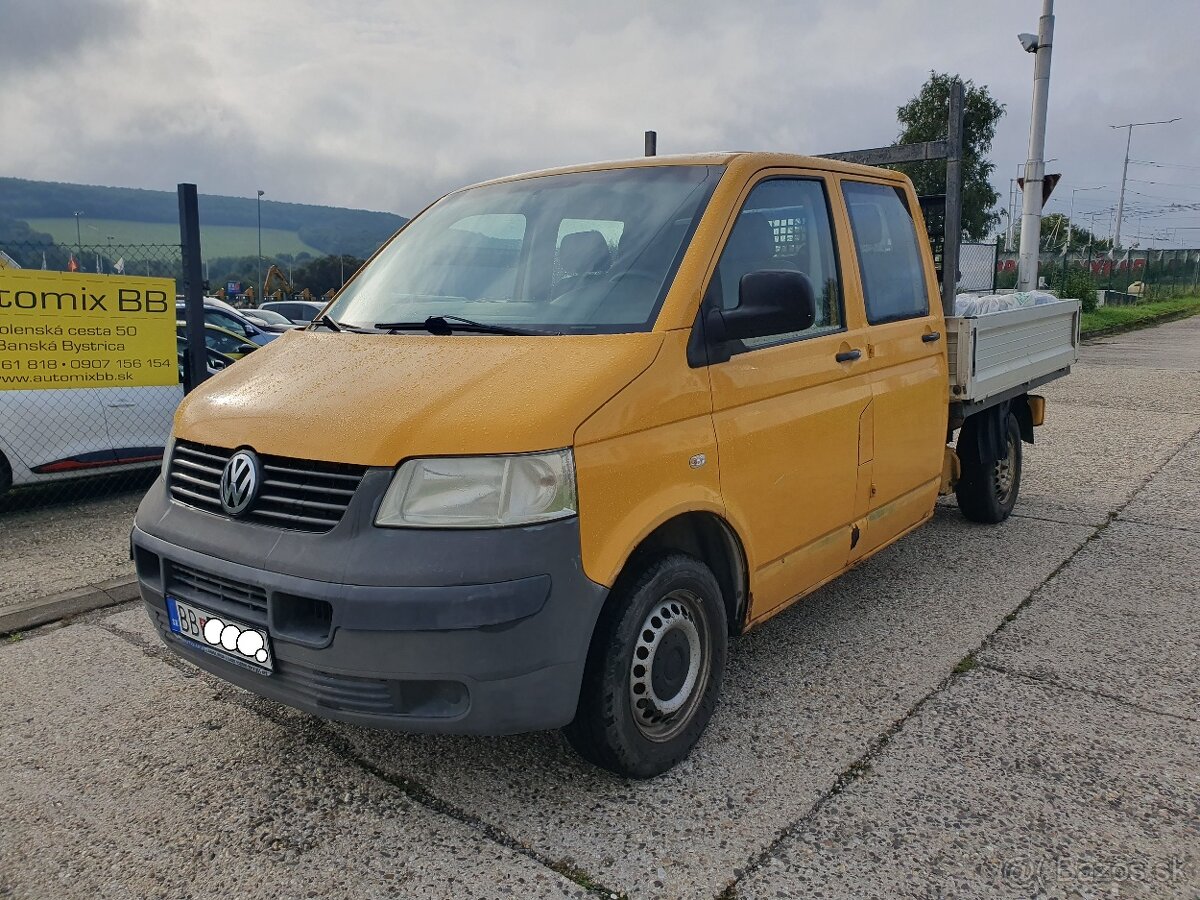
{"points": [[848, 355], [930, 337], [120, 405]]}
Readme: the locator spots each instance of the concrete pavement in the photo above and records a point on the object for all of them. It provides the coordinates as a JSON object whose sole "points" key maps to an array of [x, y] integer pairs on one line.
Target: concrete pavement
{"points": [[977, 711]]}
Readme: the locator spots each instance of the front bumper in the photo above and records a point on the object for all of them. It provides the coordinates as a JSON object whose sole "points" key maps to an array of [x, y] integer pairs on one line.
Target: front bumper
{"points": [[473, 631]]}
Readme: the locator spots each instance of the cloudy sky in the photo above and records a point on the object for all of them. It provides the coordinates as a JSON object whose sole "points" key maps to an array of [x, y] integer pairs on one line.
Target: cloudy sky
{"points": [[385, 105]]}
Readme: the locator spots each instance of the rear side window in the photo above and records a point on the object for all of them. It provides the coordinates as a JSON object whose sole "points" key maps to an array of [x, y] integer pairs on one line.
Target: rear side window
{"points": [[784, 224], [224, 320], [888, 257]]}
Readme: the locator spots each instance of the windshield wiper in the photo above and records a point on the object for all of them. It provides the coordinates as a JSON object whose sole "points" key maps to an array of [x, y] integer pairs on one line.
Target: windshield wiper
{"points": [[443, 325], [328, 321], [334, 325]]}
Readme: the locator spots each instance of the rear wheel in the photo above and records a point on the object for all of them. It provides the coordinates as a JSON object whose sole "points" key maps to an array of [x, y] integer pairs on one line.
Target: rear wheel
{"points": [[988, 488], [654, 670]]}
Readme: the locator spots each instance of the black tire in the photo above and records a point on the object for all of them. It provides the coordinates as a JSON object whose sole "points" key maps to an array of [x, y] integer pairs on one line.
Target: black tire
{"points": [[623, 724], [5, 475], [988, 488]]}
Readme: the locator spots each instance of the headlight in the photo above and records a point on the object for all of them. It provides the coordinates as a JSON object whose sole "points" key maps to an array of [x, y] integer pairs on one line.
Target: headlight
{"points": [[480, 491]]}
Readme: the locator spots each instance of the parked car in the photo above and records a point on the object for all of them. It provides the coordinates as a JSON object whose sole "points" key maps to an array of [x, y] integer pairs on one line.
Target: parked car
{"points": [[218, 339], [215, 361], [566, 435], [54, 435], [299, 311], [224, 316], [269, 320]]}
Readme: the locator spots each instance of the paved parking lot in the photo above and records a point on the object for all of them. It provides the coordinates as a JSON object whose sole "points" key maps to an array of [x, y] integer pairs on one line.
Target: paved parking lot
{"points": [[1002, 711]]}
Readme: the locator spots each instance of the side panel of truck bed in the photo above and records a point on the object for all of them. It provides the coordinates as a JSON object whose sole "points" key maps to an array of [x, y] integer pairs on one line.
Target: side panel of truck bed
{"points": [[994, 354]]}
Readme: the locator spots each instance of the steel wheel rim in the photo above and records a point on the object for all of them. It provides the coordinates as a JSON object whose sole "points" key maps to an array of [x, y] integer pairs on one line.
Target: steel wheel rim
{"points": [[675, 621], [1005, 473]]}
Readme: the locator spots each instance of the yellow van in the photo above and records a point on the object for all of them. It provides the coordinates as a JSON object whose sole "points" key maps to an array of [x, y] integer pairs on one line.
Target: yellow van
{"points": [[557, 441]]}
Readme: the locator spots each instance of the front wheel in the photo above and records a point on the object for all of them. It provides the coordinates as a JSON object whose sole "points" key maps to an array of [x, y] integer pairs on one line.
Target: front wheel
{"points": [[987, 490], [654, 670]]}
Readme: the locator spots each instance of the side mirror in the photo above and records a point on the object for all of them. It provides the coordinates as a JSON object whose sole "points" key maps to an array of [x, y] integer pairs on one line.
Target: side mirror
{"points": [[771, 301], [246, 348]]}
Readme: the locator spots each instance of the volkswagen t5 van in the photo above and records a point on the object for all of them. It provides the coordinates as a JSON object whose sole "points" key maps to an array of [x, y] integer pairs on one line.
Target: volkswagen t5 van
{"points": [[563, 436]]}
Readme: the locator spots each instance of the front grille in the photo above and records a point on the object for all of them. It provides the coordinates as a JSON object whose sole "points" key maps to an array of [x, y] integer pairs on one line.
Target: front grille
{"points": [[217, 592], [300, 494]]}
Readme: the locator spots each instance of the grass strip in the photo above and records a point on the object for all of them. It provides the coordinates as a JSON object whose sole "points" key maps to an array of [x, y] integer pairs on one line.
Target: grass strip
{"points": [[1112, 319]]}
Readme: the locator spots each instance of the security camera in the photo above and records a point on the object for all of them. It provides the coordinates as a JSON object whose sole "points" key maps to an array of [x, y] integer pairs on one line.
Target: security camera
{"points": [[1029, 42]]}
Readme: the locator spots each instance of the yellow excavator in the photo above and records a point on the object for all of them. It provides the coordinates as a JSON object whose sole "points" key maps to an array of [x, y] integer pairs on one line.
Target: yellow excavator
{"points": [[282, 284]]}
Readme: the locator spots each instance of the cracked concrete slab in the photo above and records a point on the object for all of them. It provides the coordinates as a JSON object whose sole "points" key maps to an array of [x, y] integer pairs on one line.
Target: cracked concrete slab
{"points": [[124, 777], [804, 696], [1003, 787], [1122, 618], [1090, 460], [1172, 498], [1096, 383], [1174, 346]]}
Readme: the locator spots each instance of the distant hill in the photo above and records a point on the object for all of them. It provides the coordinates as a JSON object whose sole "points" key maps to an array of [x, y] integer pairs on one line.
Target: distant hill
{"points": [[50, 206]]}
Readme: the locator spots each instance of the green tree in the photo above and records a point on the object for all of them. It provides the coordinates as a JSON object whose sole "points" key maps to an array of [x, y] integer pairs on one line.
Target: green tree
{"points": [[323, 273], [923, 118]]}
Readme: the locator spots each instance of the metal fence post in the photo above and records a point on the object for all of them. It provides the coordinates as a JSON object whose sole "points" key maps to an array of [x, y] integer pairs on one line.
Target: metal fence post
{"points": [[953, 220], [193, 287]]}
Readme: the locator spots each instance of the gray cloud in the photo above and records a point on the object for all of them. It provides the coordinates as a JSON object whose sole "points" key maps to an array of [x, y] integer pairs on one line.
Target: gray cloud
{"points": [[387, 105], [37, 34]]}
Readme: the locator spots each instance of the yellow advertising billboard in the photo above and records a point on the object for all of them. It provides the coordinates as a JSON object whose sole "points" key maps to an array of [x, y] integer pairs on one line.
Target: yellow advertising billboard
{"points": [[71, 330]]}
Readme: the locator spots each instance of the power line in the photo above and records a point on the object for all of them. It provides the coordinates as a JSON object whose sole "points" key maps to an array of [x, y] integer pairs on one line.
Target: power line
{"points": [[1160, 165]]}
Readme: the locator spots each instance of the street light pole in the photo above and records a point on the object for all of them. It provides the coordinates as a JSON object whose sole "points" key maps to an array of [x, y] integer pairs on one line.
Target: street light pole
{"points": [[78, 235], [1035, 168], [1125, 171], [259, 286]]}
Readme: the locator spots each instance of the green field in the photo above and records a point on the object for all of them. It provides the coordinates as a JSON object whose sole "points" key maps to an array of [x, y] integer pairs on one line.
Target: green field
{"points": [[215, 240]]}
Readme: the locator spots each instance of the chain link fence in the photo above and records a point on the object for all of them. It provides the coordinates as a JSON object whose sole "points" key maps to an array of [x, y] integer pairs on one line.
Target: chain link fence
{"points": [[85, 406], [1127, 276]]}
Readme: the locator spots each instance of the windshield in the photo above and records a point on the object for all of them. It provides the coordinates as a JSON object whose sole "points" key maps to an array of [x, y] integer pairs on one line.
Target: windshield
{"points": [[578, 253]]}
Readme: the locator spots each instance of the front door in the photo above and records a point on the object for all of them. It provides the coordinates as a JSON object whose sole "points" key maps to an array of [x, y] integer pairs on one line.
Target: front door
{"points": [[139, 419], [906, 341], [787, 407]]}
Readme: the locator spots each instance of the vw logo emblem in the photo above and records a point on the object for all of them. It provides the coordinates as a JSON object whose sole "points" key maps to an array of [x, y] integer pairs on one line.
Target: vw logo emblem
{"points": [[239, 482]]}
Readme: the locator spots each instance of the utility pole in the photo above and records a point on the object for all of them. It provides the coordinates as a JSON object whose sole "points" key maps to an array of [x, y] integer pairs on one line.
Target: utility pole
{"points": [[1012, 218], [1071, 218], [260, 286], [1035, 167], [1125, 171]]}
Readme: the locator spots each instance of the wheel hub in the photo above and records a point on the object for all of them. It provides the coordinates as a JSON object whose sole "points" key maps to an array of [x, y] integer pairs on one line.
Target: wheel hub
{"points": [[669, 660], [1004, 473]]}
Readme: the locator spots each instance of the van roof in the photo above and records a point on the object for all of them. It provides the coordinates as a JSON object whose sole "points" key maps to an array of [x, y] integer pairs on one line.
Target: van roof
{"points": [[751, 160]]}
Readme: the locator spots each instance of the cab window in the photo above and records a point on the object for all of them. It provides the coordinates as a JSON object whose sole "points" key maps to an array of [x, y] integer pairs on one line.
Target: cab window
{"points": [[889, 260], [784, 224]]}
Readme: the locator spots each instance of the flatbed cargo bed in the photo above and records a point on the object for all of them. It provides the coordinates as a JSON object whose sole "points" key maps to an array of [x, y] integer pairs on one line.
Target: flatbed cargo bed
{"points": [[996, 356]]}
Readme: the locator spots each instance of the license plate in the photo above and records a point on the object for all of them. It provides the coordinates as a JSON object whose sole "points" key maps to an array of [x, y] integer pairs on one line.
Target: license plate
{"points": [[221, 635]]}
